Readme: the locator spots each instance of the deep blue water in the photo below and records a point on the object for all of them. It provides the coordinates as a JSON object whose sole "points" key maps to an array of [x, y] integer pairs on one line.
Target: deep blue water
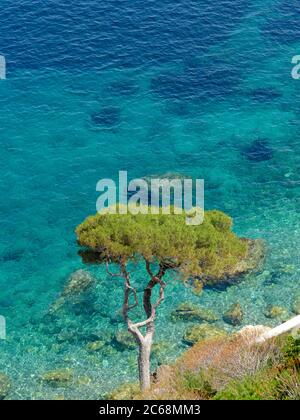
{"points": [[193, 87]]}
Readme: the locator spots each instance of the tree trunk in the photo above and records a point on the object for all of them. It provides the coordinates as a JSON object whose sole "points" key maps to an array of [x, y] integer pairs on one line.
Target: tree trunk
{"points": [[144, 363], [144, 341]]}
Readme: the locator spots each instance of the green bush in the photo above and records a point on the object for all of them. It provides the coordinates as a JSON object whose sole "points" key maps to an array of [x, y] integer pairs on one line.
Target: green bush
{"points": [[262, 386], [291, 351], [199, 383]]}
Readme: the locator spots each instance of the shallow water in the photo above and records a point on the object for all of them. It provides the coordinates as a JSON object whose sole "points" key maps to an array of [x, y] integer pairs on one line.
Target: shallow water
{"points": [[186, 88]]}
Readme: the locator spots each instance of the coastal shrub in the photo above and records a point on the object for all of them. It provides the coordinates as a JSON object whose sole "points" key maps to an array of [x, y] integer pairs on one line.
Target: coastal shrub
{"points": [[240, 358], [229, 358], [289, 384], [263, 386], [198, 383], [291, 351], [268, 384]]}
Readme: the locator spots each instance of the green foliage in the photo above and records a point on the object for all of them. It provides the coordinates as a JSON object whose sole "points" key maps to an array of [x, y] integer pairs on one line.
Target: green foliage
{"points": [[198, 383], [291, 351], [269, 384], [262, 386], [208, 249]]}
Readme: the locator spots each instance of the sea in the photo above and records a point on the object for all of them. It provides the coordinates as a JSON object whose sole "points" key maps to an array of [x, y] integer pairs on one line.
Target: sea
{"points": [[199, 88]]}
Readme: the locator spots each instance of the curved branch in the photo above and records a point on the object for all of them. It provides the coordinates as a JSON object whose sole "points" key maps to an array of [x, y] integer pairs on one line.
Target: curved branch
{"points": [[161, 293], [129, 288], [148, 268], [112, 274]]}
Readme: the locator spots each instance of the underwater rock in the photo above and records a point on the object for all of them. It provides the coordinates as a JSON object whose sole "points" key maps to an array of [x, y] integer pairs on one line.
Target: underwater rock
{"points": [[83, 381], [58, 378], [234, 315], [124, 392], [164, 180], [109, 351], [95, 346], [12, 255], [296, 305], [73, 335], [167, 176], [107, 117], [258, 151], [124, 340], [202, 332], [189, 312], [67, 336], [273, 312], [5, 386], [78, 283], [197, 287]]}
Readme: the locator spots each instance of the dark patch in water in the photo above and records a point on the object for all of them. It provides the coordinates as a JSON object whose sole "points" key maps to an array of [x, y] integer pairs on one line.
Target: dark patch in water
{"points": [[274, 278], [123, 88], [178, 108], [258, 151], [107, 117], [265, 95], [6, 303], [12, 255], [204, 82]]}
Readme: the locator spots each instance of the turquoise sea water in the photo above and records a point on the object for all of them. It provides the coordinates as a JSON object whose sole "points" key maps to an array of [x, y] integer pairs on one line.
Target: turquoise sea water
{"points": [[148, 88]]}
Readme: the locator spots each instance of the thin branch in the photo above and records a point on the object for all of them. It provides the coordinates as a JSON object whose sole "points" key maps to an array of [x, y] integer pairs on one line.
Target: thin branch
{"points": [[161, 293], [112, 274], [129, 288], [148, 268]]}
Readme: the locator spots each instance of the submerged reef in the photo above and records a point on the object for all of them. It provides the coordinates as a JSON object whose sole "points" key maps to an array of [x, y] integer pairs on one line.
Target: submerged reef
{"points": [[58, 378], [123, 340], [234, 315], [107, 117], [274, 312], [5, 386], [258, 151], [78, 284], [189, 312], [201, 332]]}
